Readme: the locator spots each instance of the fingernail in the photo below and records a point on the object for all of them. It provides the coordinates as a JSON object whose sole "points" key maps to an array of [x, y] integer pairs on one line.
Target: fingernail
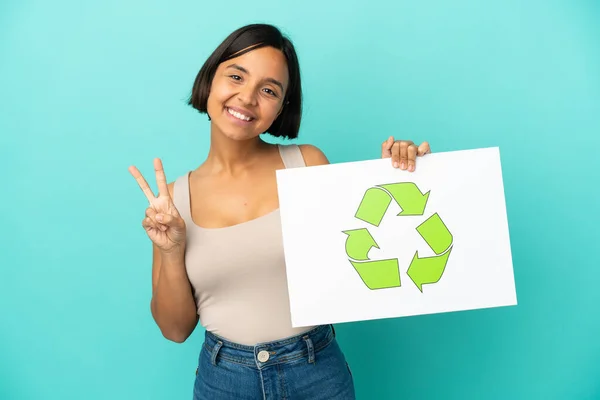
{"points": [[395, 164], [402, 165], [159, 217]]}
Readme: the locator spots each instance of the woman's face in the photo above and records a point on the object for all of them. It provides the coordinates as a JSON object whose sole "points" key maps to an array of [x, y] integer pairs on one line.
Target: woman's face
{"points": [[247, 93]]}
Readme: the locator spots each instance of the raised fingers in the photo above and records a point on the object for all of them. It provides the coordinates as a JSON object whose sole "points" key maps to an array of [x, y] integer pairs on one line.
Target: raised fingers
{"points": [[142, 183], [161, 179]]}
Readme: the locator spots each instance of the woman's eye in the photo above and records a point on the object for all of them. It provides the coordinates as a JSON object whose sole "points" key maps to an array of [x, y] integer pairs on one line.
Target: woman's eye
{"points": [[272, 93], [236, 77]]}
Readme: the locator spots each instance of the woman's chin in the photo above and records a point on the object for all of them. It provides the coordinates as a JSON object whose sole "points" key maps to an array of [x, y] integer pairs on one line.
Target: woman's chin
{"points": [[239, 134]]}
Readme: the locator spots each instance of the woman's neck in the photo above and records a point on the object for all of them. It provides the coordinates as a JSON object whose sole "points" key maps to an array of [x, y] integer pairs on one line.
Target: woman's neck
{"points": [[228, 156]]}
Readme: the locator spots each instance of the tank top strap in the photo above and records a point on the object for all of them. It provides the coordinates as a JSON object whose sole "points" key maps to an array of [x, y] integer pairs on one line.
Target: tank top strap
{"points": [[181, 196], [291, 155]]}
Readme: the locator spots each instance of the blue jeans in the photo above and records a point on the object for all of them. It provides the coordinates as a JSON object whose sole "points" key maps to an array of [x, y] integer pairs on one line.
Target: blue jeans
{"points": [[307, 366]]}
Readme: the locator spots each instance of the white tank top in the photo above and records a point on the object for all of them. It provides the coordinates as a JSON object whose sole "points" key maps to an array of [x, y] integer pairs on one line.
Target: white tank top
{"points": [[238, 272]]}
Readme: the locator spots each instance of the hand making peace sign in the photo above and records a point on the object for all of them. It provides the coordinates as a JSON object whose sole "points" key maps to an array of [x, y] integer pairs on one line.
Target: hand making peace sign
{"points": [[162, 223]]}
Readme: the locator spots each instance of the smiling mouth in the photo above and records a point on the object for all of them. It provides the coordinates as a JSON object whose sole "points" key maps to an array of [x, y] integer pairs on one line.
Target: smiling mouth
{"points": [[239, 115]]}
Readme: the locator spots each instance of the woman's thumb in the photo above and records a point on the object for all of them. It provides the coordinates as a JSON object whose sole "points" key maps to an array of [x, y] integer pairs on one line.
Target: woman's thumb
{"points": [[168, 220], [386, 147]]}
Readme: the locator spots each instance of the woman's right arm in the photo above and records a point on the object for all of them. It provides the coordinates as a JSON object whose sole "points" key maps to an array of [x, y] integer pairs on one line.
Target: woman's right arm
{"points": [[173, 306]]}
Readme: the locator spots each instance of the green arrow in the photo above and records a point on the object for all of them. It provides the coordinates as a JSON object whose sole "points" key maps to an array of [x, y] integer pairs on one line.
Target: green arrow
{"points": [[373, 206], [378, 274], [435, 233], [408, 196], [358, 243], [428, 269]]}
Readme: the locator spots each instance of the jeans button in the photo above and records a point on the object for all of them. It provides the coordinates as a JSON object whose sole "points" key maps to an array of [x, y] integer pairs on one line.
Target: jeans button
{"points": [[263, 356]]}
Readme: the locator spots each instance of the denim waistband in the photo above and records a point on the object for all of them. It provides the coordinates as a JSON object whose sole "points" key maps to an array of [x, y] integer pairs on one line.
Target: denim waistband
{"points": [[304, 345]]}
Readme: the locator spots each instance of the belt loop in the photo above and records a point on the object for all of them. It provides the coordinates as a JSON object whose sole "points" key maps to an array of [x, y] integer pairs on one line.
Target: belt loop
{"points": [[311, 349], [215, 352]]}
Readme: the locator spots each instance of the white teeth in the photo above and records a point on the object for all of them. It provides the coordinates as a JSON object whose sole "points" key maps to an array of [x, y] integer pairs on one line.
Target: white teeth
{"points": [[238, 115]]}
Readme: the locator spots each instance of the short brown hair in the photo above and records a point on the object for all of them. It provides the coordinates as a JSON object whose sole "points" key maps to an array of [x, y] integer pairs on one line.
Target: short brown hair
{"points": [[242, 40]]}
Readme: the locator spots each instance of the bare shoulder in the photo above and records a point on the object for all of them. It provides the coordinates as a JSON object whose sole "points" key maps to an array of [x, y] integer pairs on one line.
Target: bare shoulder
{"points": [[313, 155]]}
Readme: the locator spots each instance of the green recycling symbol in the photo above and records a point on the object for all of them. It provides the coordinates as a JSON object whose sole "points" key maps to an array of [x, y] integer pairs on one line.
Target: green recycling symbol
{"points": [[382, 274]]}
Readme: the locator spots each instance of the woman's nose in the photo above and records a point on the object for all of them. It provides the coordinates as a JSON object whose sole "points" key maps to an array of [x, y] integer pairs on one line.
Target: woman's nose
{"points": [[247, 95]]}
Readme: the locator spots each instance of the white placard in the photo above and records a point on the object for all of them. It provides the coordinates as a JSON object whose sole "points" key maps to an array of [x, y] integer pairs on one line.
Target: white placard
{"points": [[364, 240]]}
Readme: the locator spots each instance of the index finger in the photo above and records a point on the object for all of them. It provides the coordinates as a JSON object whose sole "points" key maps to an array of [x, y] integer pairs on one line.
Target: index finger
{"points": [[142, 182]]}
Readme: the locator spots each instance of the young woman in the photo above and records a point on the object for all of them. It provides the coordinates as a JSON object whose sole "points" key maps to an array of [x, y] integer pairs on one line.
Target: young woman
{"points": [[217, 246]]}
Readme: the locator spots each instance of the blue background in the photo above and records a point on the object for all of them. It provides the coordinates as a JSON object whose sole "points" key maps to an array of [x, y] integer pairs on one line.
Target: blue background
{"points": [[89, 88]]}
